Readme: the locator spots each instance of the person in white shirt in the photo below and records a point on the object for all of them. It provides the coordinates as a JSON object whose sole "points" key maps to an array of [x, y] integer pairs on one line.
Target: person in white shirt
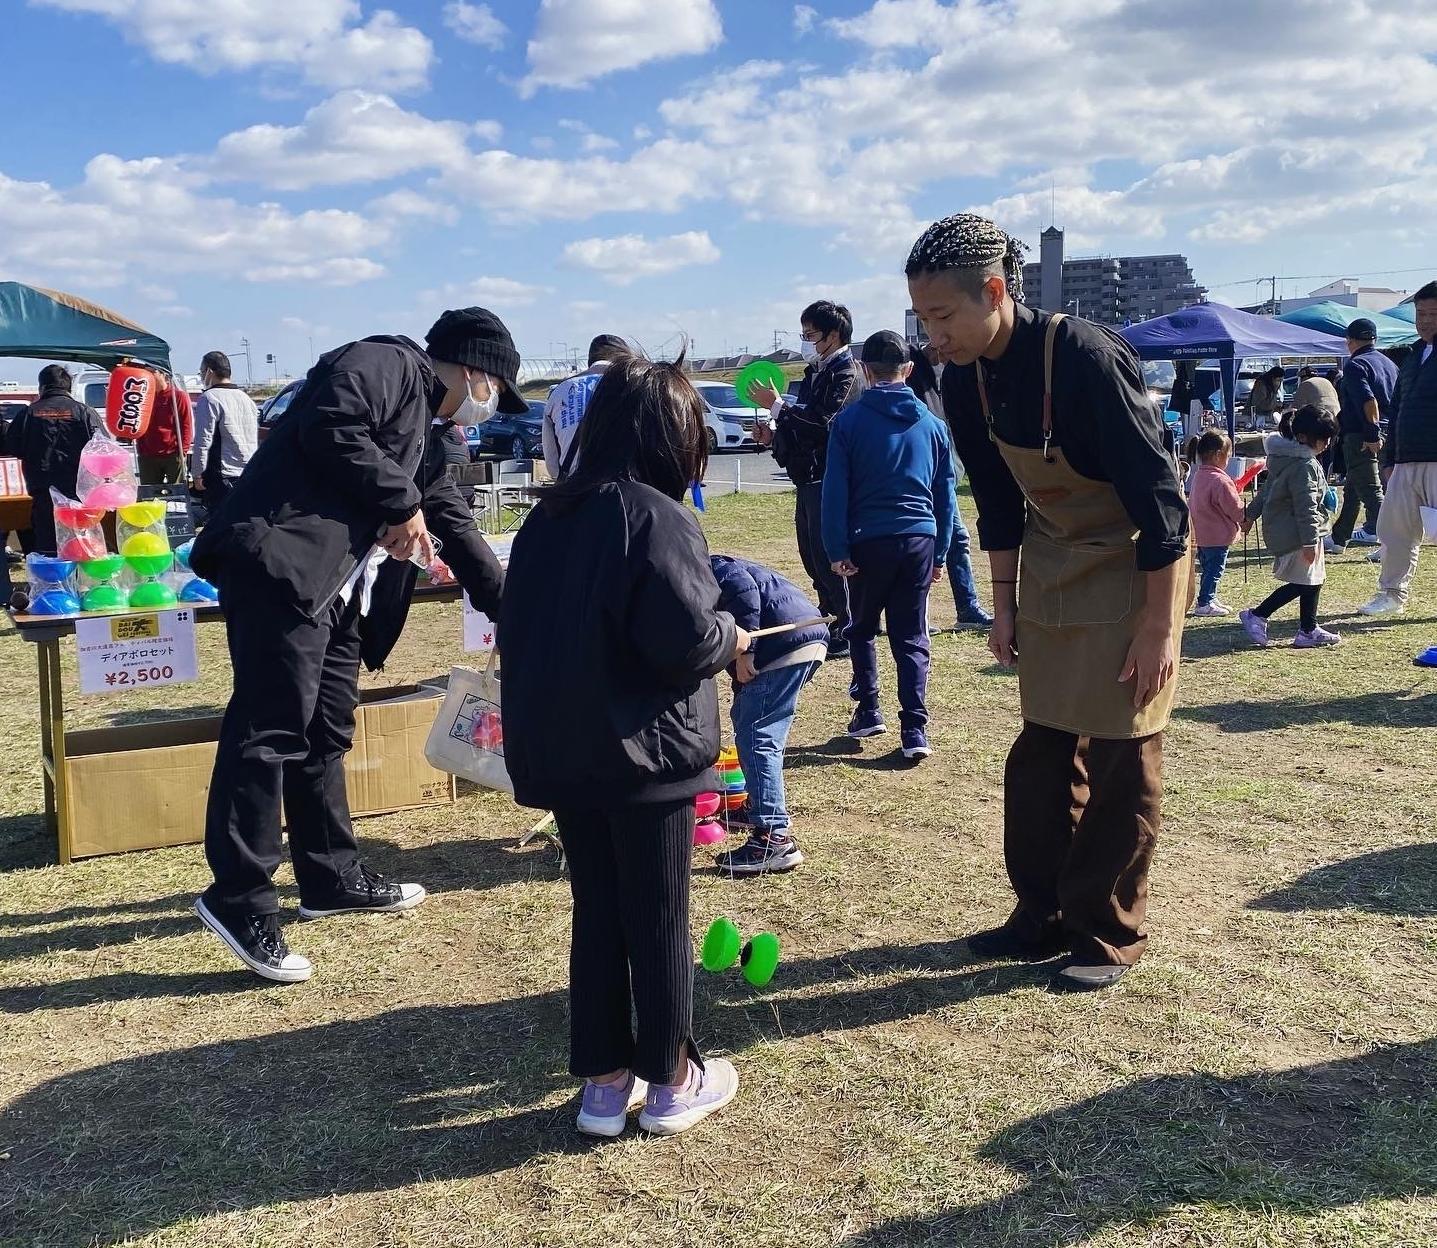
{"points": [[569, 400], [226, 431]]}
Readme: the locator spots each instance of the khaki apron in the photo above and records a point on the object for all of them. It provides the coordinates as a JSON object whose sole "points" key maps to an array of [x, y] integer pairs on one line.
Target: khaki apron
{"points": [[1080, 593]]}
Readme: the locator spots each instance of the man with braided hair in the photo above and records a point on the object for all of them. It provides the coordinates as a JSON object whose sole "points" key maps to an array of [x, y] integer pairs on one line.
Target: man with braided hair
{"points": [[1077, 498]]}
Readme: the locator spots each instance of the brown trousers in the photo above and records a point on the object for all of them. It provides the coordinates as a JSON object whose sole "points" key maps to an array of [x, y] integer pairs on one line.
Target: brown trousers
{"points": [[1080, 818]]}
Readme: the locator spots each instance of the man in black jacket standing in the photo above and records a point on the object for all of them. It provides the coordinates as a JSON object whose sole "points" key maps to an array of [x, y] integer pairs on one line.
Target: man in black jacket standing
{"points": [[47, 438], [799, 436], [312, 555]]}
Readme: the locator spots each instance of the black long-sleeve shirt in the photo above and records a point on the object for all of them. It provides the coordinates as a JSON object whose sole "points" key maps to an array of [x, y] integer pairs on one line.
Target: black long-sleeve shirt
{"points": [[1104, 422]]}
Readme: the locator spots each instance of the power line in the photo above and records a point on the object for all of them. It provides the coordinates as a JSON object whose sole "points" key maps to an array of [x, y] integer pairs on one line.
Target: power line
{"points": [[1313, 277]]}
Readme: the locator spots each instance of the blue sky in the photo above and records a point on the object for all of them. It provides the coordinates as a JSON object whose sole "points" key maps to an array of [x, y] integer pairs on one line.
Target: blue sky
{"points": [[288, 170]]}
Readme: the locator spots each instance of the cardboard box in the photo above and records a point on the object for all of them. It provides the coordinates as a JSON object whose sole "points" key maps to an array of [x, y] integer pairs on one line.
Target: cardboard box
{"points": [[145, 786]]}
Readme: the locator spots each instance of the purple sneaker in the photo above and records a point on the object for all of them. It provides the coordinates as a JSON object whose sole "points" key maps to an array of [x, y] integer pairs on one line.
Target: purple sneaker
{"points": [[1318, 637], [1254, 626], [671, 1111], [606, 1107]]}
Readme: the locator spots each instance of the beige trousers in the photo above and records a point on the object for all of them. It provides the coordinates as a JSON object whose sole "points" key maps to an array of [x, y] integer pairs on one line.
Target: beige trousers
{"points": [[1399, 526]]}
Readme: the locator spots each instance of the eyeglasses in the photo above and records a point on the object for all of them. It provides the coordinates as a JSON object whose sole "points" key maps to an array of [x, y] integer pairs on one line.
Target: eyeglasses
{"points": [[813, 335]]}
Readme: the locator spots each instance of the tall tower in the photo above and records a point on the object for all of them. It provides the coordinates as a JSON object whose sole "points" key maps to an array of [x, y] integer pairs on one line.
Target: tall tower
{"points": [[1050, 253]]}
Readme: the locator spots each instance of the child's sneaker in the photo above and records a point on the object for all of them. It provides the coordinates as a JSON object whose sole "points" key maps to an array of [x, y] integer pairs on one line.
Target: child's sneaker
{"points": [[762, 853], [605, 1108], [866, 722], [1212, 608], [1361, 537], [1318, 637], [1254, 626], [915, 745], [670, 1111]]}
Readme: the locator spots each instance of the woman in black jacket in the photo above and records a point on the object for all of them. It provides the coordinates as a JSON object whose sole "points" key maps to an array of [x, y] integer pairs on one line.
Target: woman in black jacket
{"points": [[611, 636]]}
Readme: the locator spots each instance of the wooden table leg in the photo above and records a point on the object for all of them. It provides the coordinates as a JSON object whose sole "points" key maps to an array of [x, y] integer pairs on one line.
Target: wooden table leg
{"points": [[47, 751], [52, 747]]}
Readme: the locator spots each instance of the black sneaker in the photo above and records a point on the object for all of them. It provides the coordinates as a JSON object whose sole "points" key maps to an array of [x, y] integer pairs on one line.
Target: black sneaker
{"points": [[256, 940], [366, 890], [760, 854], [838, 650], [1012, 945], [866, 722]]}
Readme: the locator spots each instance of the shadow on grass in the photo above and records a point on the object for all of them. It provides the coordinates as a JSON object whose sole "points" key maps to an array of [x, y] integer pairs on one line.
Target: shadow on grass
{"points": [[411, 1095], [1314, 1138], [1402, 880], [849, 753], [1384, 709], [450, 866], [26, 841]]}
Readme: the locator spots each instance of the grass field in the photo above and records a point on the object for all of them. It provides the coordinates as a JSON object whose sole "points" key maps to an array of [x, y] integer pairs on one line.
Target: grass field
{"points": [[1268, 1075]]}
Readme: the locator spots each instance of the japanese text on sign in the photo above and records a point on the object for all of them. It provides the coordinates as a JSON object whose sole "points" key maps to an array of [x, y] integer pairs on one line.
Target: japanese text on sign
{"points": [[136, 651]]}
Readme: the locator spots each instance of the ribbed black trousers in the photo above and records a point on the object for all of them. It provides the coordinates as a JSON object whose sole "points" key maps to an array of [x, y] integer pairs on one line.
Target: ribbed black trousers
{"points": [[631, 962]]}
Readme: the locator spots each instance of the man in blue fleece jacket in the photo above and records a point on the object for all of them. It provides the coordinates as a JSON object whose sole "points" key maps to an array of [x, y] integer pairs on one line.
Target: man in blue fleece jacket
{"points": [[888, 504]]}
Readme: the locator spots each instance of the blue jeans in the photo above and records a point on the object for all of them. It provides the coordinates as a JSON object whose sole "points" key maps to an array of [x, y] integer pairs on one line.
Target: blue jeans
{"points": [[763, 712], [960, 571], [1213, 561]]}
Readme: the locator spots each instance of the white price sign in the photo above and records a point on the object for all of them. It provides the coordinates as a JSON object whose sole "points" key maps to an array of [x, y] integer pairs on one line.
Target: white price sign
{"points": [[478, 629], [119, 652]]}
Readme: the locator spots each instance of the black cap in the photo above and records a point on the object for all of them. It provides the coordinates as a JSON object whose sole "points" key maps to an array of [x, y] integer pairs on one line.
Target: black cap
{"points": [[885, 347], [476, 338], [606, 345], [1362, 330]]}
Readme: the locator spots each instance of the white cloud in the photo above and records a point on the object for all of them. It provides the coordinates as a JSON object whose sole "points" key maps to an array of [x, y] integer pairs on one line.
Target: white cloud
{"points": [[108, 228], [662, 177], [577, 41], [405, 204], [804, 16], [327, 42], [354, 136], [475, 23], [624, 259], [497, 293]]}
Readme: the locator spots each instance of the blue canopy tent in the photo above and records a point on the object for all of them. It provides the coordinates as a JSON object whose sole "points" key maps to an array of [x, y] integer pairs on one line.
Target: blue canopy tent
{"points": [[1214, 331], [1334, 318], [1403, 312]]}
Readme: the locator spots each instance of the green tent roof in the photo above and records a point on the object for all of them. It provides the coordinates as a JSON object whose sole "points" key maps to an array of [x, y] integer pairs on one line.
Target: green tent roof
{"points": [[1334, 318], [51, 325]]}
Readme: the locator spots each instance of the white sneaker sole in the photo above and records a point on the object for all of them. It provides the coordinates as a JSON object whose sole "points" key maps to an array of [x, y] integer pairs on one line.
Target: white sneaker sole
{"points": [[917, 753], [677, 1124], [405, 903], [611, 1128], [293, 975], [862, 734]]}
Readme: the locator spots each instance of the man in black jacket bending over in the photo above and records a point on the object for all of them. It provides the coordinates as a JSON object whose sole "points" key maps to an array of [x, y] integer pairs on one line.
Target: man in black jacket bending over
{"points": [[311, 553]]}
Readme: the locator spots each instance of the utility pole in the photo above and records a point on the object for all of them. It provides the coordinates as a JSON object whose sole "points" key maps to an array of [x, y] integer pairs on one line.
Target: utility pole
{"points": [[248, 370], [311, 350]]}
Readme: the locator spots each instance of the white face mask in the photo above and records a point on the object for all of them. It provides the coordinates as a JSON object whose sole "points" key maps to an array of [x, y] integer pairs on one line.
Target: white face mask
{"points": [[471, 411], [808, 350]]}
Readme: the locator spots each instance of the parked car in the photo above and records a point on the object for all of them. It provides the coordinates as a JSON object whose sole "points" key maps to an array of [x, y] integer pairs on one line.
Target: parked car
{"points": [[728, 419], [509, 437], [275, 407]]}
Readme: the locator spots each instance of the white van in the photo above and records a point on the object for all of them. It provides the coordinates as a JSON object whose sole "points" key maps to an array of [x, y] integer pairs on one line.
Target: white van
{"points": [[728, 420]]}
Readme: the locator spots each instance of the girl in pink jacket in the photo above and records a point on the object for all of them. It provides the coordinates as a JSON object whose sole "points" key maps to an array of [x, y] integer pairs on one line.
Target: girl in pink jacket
{"points": [[1217, 515]]}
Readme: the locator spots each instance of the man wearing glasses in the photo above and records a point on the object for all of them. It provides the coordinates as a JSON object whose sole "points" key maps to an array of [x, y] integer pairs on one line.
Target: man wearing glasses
{"points": [[798, 432]]}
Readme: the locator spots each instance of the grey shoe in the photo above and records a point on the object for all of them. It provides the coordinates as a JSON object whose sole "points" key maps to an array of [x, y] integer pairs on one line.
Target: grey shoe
{"points": [[1080, 978]]}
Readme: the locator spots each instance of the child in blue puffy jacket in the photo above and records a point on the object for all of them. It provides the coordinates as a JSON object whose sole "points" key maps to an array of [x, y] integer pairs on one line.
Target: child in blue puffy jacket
{"points": [[767, 682]]}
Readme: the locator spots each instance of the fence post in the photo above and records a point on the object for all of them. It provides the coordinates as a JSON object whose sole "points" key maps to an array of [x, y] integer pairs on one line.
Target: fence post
{"points": [[737, 475]]}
